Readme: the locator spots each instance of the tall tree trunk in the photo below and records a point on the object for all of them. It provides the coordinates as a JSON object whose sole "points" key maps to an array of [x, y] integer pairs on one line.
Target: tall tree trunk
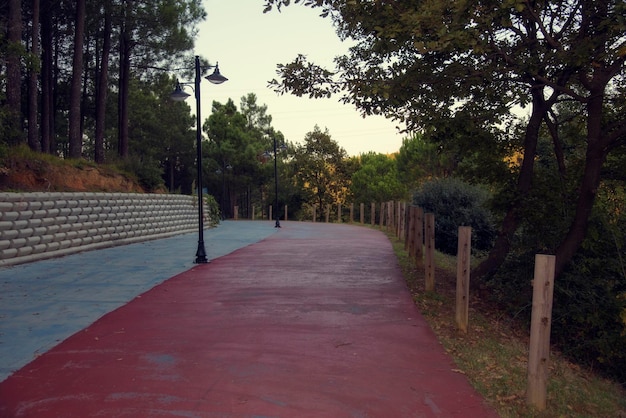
{"points": [[54, 98], [75, 139], [511, 220], [597, 148], [170, 173], [101, 91], [122, 142], [124, 83], [46, 77], [600, 138], [33, 88], [13, 72]]}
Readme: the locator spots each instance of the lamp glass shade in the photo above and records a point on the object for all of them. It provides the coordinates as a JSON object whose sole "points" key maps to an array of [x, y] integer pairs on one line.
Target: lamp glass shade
{"points": [[178, 95], [216, 77]]}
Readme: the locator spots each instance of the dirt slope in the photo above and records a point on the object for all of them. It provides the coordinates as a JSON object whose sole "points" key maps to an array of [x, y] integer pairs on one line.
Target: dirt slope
{"points": [[31, 175]]}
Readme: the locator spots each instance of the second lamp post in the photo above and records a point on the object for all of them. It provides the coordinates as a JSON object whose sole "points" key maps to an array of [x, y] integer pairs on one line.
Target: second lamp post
{"points": [[282, 148], [179, 95]]}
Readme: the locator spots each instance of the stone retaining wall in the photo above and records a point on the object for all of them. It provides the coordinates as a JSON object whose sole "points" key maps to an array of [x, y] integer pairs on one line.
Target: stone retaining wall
{"points": [[34, 226]]}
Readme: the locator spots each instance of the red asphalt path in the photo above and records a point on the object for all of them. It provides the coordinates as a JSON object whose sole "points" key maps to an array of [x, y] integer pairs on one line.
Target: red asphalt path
{"points": [[314, 321]]}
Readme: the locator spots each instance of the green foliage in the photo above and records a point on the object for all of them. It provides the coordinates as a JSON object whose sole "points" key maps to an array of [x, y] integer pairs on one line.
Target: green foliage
{"points": [[163, 145], [323, 170], [24, 153], [10, 134], [469, 148], [376, 180], [587, 323], [589, 303], [418, 160], [236, 141], [459, 146], [148, 173], [587, 310], [455, 204], [212, 208], [4, 109], [4, 151], [511, 286]]}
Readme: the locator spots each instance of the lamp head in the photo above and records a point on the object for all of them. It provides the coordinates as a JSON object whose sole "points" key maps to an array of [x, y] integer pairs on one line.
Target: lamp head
{"points": [[178, 95], [216, 77]]}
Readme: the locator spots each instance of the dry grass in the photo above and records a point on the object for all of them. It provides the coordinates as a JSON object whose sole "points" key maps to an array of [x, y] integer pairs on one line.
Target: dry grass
{"points": [[494, 353]]}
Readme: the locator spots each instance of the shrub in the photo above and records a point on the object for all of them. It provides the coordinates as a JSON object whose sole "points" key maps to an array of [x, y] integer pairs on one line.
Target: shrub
{"points": [[589, 304], [148, 173], [455, 204], [212, 208]]}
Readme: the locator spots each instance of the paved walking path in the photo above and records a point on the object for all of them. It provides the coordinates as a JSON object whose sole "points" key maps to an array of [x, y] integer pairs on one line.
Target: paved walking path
{"points": [[312, 320]]}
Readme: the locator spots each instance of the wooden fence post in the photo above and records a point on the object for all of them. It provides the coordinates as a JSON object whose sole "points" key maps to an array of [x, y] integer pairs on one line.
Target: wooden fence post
{"points": [[270, 214], [339, 210], [405, 219], [327, 213], [286, 212], [540, 324], [430, 251], [314, 214], [382, 214], [409, 240], [373, 214], [405, 222], [419, 236], [463, 277], [351, 213], [236, 214], [387, 214], [399, 213], [362, 213]]}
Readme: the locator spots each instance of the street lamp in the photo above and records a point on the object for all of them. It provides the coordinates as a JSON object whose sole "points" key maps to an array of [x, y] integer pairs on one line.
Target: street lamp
{"points": [[179, 95], [267, 154]]}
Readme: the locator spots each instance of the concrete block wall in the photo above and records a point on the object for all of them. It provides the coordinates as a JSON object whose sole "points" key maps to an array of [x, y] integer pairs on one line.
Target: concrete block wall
{"points": [[35, 226]]}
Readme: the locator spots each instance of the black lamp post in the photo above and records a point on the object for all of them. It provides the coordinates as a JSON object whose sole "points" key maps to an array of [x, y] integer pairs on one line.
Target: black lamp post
{"points": [[179, 95], [282, 147]]}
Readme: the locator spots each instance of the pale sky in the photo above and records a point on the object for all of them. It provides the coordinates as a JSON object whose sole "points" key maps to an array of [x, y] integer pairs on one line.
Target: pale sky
{"points": [[248, 44]]}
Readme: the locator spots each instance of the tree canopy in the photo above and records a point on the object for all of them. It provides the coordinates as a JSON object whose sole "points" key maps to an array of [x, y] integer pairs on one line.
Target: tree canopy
{"points": [[376, 179], [425, 61], [90, 53], [321, 164]]}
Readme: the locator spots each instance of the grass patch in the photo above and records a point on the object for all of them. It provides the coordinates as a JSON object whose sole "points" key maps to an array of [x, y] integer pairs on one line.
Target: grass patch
{"points": [[24, 153], [494, 352]]}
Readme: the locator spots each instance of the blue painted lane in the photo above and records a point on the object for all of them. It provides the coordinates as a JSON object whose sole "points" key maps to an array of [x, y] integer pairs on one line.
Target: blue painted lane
{"points": [[44, 302]]}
